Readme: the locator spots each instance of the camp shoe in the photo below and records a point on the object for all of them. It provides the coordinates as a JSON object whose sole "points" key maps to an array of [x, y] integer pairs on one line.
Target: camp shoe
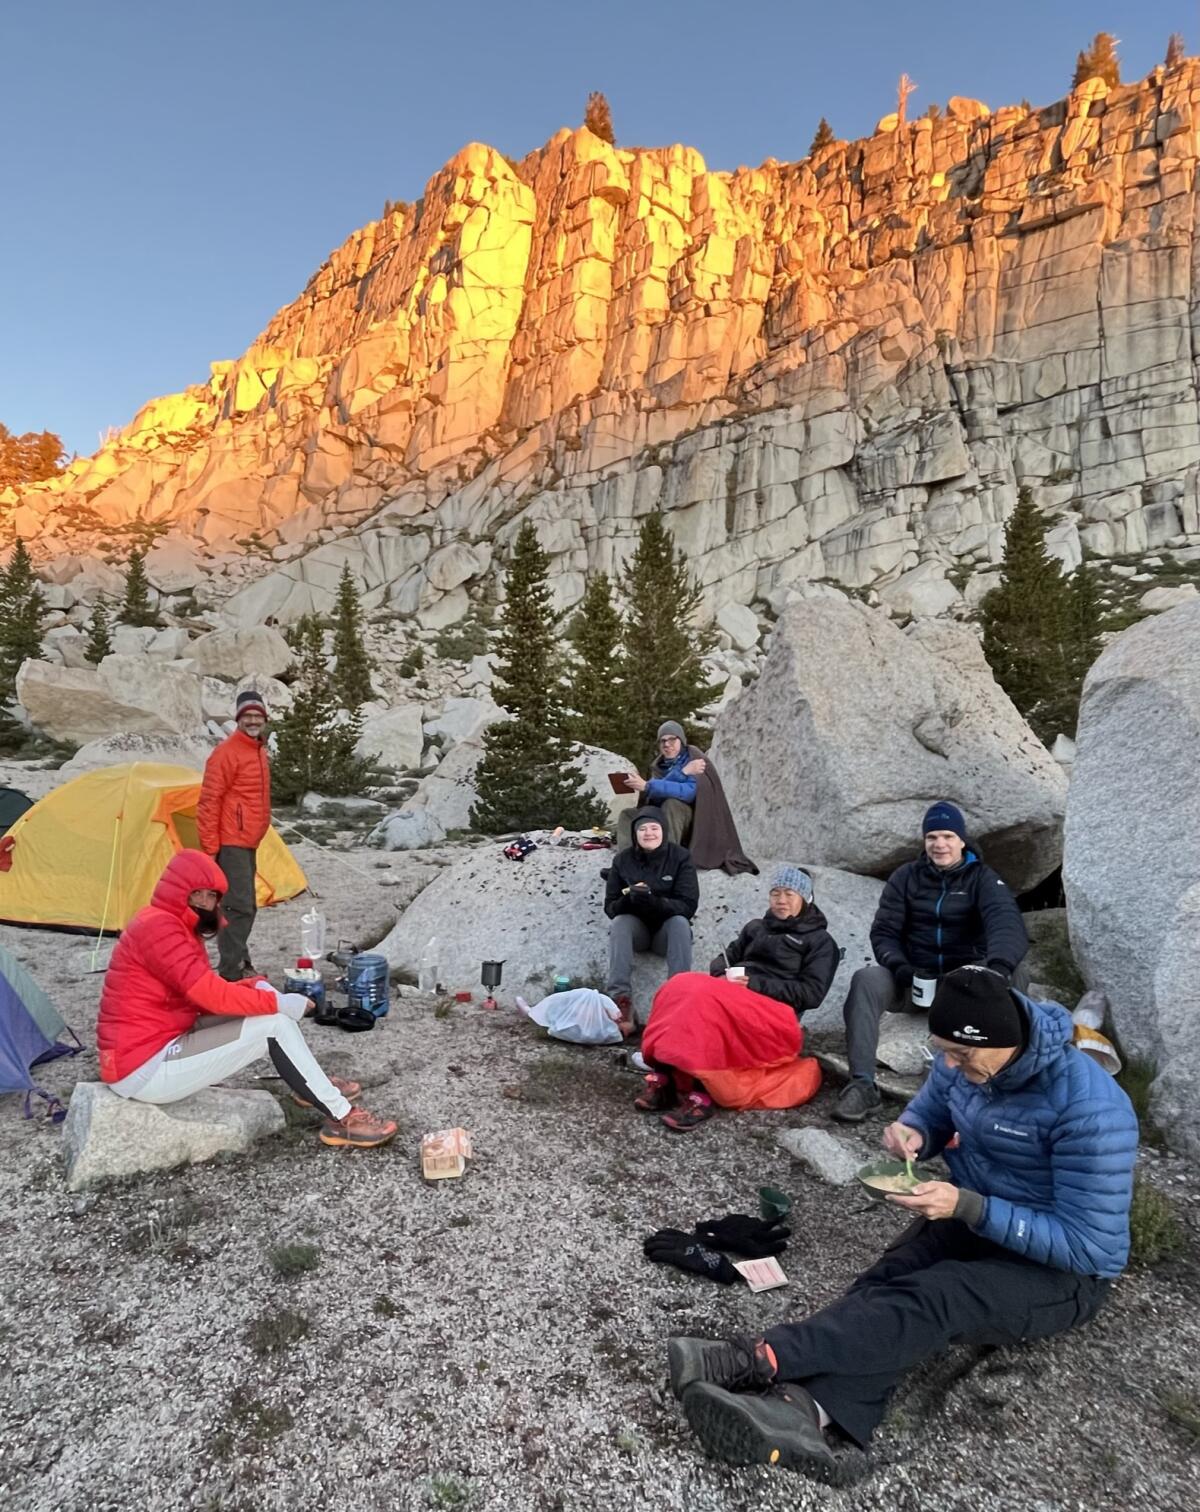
{"points": [[856, 1099], [738, 1364], [348, 1089], [660, 1093], [359, 1130], [776, 1427], [697, 1109]]}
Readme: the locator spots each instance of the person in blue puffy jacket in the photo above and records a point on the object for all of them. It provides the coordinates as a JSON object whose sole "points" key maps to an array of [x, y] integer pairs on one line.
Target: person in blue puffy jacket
{"points": [[671, 786], [1022, 1241]]}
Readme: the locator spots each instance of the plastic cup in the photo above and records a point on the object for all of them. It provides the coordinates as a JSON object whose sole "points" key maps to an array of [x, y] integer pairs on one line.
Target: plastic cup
{"points": [[735, 973], [773, 1204], [923, 989]]}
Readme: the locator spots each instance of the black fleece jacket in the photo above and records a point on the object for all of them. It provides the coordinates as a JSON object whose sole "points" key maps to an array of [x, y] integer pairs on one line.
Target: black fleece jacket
{"points": [[671, 886], [791, 960]]}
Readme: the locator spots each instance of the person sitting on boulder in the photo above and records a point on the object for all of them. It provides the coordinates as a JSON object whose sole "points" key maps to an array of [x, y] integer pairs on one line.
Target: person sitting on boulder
{"points": [[683, 783], [650, 896], [943, 910], [733, 1038], [1022, 1242], [169, 1025]]}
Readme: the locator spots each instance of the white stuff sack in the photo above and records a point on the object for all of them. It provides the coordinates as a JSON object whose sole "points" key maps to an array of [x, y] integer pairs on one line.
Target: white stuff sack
{"points": [[582, 1016]]}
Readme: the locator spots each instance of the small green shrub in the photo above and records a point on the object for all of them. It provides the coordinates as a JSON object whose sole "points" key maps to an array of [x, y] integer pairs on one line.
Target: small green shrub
{"points": [[462, 642], [411, 662], [273, 1333], [1155, 1233], [294, 1259], [1183, 1410]]}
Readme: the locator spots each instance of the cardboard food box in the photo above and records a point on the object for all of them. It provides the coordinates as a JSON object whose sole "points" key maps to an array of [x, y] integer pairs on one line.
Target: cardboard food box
{"points": [[444, 1154]]}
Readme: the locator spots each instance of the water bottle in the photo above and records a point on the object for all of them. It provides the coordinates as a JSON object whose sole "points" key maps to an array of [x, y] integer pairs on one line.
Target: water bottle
{"points": [[312, 934], [427, 973], [305, 978], [367, 984], [562, 982]]}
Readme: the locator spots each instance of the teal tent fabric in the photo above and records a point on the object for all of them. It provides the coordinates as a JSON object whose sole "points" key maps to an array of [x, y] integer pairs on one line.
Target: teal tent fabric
{"points": [[31, 1030]]}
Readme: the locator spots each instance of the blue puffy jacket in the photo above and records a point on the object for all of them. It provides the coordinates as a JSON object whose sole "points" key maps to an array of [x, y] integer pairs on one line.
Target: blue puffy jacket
{"points": [[1049, 1143], [667, 780]]}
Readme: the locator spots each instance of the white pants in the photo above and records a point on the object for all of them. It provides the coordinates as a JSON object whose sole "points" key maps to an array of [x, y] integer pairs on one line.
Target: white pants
{"points": [[219, 1046]]}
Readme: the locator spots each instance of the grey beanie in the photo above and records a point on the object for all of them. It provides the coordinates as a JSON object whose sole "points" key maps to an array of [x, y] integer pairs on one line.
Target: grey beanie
{"points": [[795, 879], [671, 727]]}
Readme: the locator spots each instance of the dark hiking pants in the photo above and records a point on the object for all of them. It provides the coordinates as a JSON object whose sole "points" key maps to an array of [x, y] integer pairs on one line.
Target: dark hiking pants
{"points": [[239, 907], [939, 1284]]}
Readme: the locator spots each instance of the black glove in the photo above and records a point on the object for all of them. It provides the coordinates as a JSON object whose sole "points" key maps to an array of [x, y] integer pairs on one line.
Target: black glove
{"points": [[717, 967], [674, 1247], [1001, 968], [753, 1237], [903, 977]]}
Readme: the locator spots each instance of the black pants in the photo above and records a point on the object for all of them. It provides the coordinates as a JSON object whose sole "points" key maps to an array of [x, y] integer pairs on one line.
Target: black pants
{"points": [[938, 1284], [239, 906]]}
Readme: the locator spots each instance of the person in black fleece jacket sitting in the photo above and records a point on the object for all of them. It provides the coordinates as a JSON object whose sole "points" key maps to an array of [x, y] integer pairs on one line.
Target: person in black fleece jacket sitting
{"points": [[651, 895]]}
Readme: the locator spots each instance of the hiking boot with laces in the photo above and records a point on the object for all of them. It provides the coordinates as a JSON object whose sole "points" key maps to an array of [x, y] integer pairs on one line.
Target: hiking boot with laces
{"points": [[778, 1427], [348, 1089], [738, 1364], [856, 1099], [359, 1130], [659, 1094], [697, 1109]]}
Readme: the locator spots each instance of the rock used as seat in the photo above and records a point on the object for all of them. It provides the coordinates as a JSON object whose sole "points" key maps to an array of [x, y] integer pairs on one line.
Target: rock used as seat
{"points": [[105, 1136]]}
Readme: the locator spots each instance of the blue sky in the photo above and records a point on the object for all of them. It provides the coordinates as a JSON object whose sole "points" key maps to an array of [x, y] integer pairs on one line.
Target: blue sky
{"points": [[174, 172]]}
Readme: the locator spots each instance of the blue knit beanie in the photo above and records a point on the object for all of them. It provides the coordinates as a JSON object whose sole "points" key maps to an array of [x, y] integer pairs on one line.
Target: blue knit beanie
{"points": [[944, 816], [795, 879]]}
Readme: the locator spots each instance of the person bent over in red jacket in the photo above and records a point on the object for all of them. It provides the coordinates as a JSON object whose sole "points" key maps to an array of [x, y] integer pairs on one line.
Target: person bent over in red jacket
{"points": [[170, 1026], [232, 817]]}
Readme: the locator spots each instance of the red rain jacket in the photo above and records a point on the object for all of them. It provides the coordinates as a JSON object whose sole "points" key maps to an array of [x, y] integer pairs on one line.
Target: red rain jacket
{"points": [[235, 796], [159, 981]]}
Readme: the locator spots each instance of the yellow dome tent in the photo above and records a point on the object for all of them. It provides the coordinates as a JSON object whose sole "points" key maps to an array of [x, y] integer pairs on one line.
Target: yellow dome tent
{"points": [[87, 855]]}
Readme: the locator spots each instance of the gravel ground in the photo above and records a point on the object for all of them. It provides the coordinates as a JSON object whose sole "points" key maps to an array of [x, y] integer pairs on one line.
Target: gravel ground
{"points": [[496, 1342]]}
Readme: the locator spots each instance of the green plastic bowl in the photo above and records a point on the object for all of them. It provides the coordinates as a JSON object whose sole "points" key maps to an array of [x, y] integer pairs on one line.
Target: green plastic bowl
{"points": [[889, 1167]]}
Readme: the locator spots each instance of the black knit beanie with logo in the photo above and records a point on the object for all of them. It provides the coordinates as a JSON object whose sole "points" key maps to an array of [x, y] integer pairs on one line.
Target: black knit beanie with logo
{"points": [[974, 1006]]}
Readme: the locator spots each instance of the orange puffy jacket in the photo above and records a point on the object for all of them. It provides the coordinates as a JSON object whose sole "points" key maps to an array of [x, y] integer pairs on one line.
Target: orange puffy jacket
{"points": [[159, 981], [235, 797]]}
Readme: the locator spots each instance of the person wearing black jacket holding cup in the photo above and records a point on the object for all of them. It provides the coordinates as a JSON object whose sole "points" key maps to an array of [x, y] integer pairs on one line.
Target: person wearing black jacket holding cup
{"points": [[651, 894], [943, 910]]}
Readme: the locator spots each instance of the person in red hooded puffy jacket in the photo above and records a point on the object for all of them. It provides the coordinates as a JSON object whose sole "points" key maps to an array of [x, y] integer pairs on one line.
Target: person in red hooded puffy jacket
{"points": [[170, 1026]]}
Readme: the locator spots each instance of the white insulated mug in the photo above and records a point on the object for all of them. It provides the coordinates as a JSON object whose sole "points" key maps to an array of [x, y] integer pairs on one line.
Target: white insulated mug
{"points": [[923, 989]]}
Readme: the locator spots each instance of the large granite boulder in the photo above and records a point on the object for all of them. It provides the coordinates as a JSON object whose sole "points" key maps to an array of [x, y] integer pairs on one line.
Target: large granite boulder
{"points": [[132, 694], [105, 1136], [394, 737], [854, 727], [234, 654], [117, 750], [545, 915], [1132, 863]]}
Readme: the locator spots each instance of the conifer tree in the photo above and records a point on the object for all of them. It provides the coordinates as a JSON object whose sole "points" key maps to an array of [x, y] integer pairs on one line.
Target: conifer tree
{"points": [[352, 665], [595, 694], [99, 637], [314, 749], [1175, 50], [136, 608], [662, 647], [526, 779], [1099, 61], [22, 605], [598, 117], [1086, 617], [823, 136], [1028, 633]]}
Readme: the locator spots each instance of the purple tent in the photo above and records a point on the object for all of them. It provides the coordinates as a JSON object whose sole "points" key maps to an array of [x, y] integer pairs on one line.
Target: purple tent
{"points": [[30, 1034]]}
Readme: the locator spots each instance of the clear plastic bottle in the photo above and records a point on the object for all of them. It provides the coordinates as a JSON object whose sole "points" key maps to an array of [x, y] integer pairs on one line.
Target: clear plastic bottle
{"points": [[312, 934], [427, 972]]}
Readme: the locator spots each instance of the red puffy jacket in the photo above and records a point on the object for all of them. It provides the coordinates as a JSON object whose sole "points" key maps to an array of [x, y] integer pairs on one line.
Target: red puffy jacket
{"points": [[159, 981], [235, 796]]}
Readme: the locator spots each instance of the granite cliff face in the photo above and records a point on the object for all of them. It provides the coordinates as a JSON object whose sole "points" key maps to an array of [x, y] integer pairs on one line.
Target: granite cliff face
{"points": [[837, 369]]}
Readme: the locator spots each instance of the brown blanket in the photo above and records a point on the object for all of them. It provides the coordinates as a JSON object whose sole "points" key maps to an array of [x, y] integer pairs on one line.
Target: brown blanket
{"points": [[714, 842]]}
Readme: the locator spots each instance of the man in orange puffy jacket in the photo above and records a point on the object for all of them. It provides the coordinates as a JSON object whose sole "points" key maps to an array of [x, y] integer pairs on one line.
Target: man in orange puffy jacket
{"points": [[233, 815], [170, 1026]]}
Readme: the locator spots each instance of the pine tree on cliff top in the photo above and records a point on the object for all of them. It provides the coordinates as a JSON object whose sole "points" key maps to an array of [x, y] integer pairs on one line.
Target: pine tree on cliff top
{"points": [[1175, 50], [314, 747], [526, 779], [1099, 61], [29, 458], [823, 137], [22, 605], [598, 118], [1028, 633], [99, 635], [352, 665], [661, 658], [595, 694], [136, 608]]}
